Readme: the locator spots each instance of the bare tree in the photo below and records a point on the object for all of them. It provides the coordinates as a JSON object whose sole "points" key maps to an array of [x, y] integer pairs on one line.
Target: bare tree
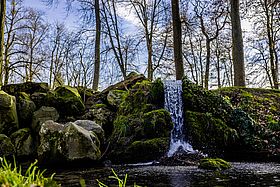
{"points": [[237, 44], [216, 14], [2, 28]]}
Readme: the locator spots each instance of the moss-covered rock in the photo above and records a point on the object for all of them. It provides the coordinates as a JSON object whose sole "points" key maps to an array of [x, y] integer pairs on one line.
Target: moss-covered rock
{"points": [[115, 97], [50, 148], [197, 99], [157, 123], [66, 100], [6, 146], [23, 142], [25, 109], [209, 134], [27, 87], [146, 150], [8, 114], [214, 164]]}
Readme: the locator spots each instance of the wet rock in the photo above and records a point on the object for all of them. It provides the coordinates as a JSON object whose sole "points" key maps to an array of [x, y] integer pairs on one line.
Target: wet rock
{"points": [[42, 115], [27, 87], [8, 114], [23, 142], [6, 146], [182, 158], [214, 164]]}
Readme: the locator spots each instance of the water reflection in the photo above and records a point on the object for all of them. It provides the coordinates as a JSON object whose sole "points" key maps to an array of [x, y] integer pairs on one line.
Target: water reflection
{"points": [[242, 174]]}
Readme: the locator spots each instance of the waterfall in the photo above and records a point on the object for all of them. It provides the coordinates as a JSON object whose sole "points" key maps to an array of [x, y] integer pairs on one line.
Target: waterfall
{"points": [[173, 103]]}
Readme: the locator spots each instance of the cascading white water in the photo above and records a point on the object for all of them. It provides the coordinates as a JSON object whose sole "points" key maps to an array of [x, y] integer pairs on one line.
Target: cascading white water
{"points": [[174, 104]]}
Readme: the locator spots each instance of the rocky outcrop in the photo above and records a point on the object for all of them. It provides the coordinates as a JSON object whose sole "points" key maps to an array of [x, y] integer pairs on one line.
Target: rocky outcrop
{"points": [[92, 127], [115, 97], [6, 146], [141, 127], [67, 143], [8, 114]]}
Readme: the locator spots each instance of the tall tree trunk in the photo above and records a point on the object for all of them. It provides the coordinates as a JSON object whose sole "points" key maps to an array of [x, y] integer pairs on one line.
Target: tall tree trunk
{"points": [[150, 61], [237, 45], [207, 68], [271, 43], [2, 27], [177, 40], [97, 46]]}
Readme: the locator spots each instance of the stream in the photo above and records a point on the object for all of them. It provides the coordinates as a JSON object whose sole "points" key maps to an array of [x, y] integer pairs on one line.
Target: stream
{"points": [[241, 174]]}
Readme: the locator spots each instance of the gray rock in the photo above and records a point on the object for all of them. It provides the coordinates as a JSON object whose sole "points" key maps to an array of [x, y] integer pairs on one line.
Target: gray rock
{"points": [[8, 114], [23, 142], [6, 146], [42, 115], [80, 144], [67, 143], [91, 126]]}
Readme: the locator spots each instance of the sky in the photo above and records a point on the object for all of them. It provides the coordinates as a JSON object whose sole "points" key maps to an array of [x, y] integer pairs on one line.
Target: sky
{"points": [[56, 13]]}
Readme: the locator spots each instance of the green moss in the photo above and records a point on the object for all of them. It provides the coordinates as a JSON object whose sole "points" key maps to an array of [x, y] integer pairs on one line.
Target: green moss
{"points": [[157, 93], [214, 164], [66, 100], [148, 150], [208, 133], [99, 105], [197, 99], [157, 123]]}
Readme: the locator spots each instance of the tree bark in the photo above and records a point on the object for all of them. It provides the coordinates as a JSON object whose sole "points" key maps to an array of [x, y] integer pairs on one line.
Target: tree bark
{"points": [[2, 28], [97, 47], [237, 45], [177, 40]]}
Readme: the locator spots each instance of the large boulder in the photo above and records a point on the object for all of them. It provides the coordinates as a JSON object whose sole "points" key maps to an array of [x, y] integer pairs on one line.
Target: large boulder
{"points": [[42, 115], [8, 114], [27, 87], [66, 100], [23, 142], [67, 143], [25, 109], [146, 150], [80, 144], [6, 146], [50, 148]]}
